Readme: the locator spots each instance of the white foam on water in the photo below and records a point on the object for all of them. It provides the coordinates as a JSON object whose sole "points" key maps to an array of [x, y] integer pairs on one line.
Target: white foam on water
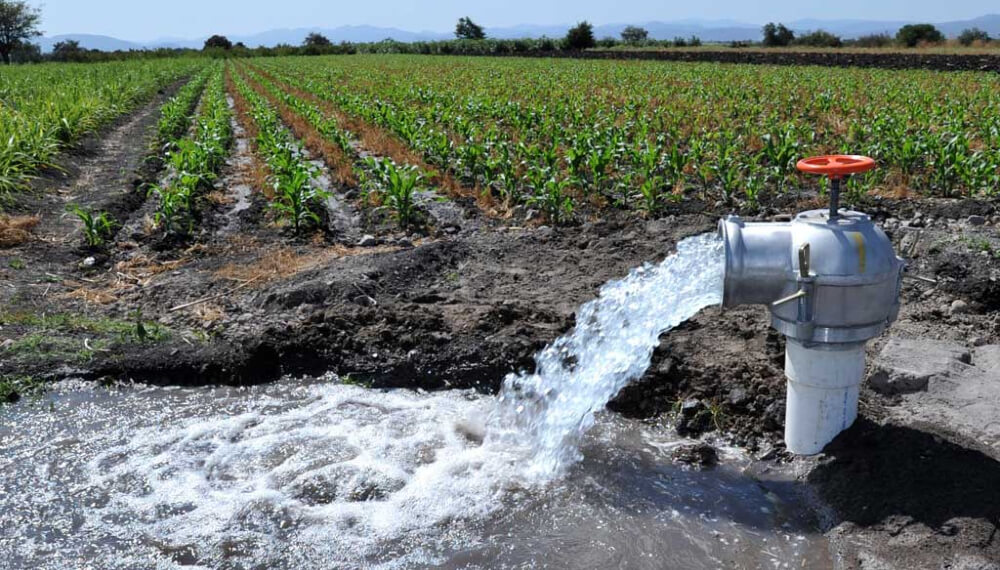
{"points": [[611, 345], [344, 475]]}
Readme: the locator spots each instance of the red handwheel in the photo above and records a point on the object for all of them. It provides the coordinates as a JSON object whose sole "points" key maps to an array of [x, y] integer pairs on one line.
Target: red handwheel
{"points": [[836, 167]]}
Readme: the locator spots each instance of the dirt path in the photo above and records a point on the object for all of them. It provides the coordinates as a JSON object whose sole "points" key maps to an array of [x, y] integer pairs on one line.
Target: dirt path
{"points": [[104, 173]]}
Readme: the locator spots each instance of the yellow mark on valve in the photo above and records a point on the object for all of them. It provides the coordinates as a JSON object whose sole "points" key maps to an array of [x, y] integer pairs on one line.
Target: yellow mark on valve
{"points": [[859, 239]]}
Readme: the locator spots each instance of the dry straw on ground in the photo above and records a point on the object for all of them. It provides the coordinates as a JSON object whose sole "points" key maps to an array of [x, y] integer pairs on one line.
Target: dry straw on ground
{"points": [[16, 230]]}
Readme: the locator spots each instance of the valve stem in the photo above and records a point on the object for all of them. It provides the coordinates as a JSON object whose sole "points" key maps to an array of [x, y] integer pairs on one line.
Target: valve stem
{"points": [[834, 197]]}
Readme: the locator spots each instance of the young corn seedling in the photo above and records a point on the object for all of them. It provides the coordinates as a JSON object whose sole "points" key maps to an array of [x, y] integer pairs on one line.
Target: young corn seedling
{"points": [[98, 227], [552, 199], [396, 186], [296, 199], [400, 186]]}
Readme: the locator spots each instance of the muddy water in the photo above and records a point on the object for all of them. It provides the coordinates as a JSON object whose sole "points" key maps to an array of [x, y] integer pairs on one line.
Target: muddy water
{"points": [[318, 474]]}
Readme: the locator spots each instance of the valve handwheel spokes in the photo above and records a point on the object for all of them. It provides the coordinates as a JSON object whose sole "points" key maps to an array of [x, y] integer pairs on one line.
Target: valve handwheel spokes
{"points": [[836, 167]]}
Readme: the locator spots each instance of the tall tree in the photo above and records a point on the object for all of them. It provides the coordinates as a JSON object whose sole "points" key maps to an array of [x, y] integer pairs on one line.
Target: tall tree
{"points": [[317, 40], [217, 41], [68, 50], [18, 24], [777, 35], [581, 37], [634, 35], [466, 29], [912, 35]]}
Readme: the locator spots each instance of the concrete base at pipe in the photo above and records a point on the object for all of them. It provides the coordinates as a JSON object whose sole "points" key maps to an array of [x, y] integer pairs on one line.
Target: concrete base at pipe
{"points": [[823, 386]]}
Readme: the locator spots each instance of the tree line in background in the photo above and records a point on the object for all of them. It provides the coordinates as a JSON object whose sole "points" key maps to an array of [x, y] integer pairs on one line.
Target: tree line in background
{"points": [[19, 24], [910, 35]]}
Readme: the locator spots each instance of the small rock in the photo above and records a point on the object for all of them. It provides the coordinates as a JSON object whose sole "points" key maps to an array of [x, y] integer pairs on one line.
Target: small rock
{"points": [[89, 262], [976, 220], [368, 241], [701, 454], [958, 307], [977, 341], [694, 419], [657, 227], [738, 396], [365, 301], [909, 238], [906, 366], [441, 337], [404, 242]]}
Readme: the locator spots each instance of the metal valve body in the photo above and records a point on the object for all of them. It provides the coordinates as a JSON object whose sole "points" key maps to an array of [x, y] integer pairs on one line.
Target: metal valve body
{"points": [[832, 283]]}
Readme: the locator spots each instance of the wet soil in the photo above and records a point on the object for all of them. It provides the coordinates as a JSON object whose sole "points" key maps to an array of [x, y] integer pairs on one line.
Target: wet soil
{"points": [[244, 302]]}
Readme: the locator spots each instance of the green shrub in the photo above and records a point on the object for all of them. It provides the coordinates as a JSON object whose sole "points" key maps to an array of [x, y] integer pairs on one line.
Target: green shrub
{"points": [[972, 35], [873, 41], [913, 35], [819, 38]]}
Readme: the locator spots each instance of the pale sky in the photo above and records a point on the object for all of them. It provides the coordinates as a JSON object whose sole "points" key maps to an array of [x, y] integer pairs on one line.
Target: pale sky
{"points": [[140, 20]]}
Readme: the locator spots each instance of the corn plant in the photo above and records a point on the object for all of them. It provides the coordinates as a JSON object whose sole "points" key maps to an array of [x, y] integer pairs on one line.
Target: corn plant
{"points": [[395, 186], [175, 114], [98, 227], [193, 162], [551, 198], [297, 200]]}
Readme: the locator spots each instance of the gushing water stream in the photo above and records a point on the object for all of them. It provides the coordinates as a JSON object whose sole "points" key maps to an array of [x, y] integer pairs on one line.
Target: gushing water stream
{"points": [[611, 345], [312, 473]]}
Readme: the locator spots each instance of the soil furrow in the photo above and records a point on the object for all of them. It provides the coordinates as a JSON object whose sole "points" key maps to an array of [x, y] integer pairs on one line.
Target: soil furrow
{"points": [[377, 141], [339, 164]]}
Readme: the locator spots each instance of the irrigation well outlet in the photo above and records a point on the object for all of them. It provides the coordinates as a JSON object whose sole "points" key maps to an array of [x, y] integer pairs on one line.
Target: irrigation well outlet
{"points": [[832, 282]]}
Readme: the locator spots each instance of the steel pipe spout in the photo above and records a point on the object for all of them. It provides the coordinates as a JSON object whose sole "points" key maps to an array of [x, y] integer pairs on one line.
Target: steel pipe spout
{"points": [[831, 282]]}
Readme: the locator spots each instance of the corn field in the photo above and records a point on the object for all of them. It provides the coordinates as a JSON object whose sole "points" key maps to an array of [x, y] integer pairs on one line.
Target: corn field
{"points": [[44, 109], [554, 135]]}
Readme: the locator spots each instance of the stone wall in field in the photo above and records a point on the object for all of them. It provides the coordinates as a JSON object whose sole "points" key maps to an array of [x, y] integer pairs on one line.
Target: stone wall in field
{"points": [[889, 60]]}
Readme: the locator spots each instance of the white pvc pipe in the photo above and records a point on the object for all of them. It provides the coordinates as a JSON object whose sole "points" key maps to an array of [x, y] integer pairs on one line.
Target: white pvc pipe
{"points": [[823, 386]]}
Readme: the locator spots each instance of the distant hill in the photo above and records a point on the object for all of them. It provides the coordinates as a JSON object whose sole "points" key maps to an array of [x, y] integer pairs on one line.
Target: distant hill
{"points": [[89, 41], [707, 30], [989, 23]]}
